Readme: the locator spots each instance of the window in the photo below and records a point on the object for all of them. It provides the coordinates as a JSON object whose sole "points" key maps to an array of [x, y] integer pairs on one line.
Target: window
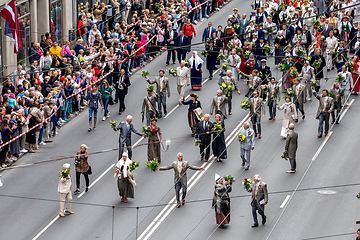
{"points": [[23, 12], [56, 20]]}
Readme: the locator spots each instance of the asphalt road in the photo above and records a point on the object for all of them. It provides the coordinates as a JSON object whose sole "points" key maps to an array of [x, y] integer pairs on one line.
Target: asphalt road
{"points": [[306, 214]]}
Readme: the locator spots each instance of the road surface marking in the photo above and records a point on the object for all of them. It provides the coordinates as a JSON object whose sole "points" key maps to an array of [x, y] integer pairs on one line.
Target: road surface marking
{"points": [[321, 146], [103, 174], [138, 141], [345, 111], [47, 226], [172, 110], [191, 183], [285, 201]]}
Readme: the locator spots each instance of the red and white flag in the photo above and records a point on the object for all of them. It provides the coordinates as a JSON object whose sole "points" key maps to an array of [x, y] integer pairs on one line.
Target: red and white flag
{"points": [[12, 28]]}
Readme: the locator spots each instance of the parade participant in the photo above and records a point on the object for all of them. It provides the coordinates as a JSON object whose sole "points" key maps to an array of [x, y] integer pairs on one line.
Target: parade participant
{"points": [[246, 146], [125, 128], [289, 117], [257, 110], [229, 81], [125, 180], [207, 34], [299, 97], [259, 199], [270, 30], [211, 58], [218, 104], [181, 45], [273, 97], [228, 33], [154, 151], [170, 37], [82, 167], [148, 105], [339, 99], [291, 146], [326, 106], [319, 74], [260, 51], [194, 105], [94, 98], [180, 177], [121, 87], [195, 71], [64, 188], [221, 201], [340, 59], [234, 64], [183, 79], [331, 43], [253, 81], [344, 30], [203, 132], [308, 75], [218, 144], [265, 70], [355, 87], [347, 80], [162, 87], [298, 60], [244, 22]]}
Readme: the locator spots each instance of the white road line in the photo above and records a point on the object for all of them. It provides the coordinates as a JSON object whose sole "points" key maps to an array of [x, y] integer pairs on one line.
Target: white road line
{"points": [[285, 201], [321, 146], [103, 174], [172, 110], [138, 141], [345, 111], [191, 183], [47, 226]]}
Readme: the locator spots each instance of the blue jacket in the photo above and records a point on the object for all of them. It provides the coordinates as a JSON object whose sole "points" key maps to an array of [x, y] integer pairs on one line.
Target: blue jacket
{"points": [[192, 106], [205, 35]]}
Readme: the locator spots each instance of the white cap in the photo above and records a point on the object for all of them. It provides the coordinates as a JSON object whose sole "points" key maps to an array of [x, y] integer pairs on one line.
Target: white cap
{"points": [[66, 165], [217, 177]]}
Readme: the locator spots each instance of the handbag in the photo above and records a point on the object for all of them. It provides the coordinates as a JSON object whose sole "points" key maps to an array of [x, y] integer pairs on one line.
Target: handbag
{"points": [[111, 100], [89, 171], [198, 114]]}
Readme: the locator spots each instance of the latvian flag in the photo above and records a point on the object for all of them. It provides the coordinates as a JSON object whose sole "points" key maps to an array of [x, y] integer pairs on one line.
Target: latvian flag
{"points": [[12, 28]]}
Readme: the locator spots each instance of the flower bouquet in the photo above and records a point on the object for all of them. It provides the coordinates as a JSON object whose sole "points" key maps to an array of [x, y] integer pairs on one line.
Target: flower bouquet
{"points": [[237, 26], [288, 93], [152, 165], [230, 45], [149, 88], [113, 125], [221, 56], [294, 72], [158, 6], [217, 128], [282, 67], [331, 94], [320, 28], [300, 52], [247, 184], [245, 104], [350, 66], [267, 49], [171, 71], [248, 64], [229, 178], [64, 173], [264, 88], [358, 195], [261, 24], [145, 73], [299, 37], [315, 22], [277, 45], [322, 38], [242, 138], [335, 52], [227, 87], [246, 55], [197, 142], [146, 131], [261, 75], [225, 67], [133, 166], [285, 156], [298, 9], [340, 78], [314, 83], [238, 49], [317, 64], [270, 30], [187, 63], [204, 53]]}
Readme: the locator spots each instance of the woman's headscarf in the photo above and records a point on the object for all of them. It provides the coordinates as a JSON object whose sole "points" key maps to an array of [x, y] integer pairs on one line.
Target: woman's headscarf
{"points": [[198, 60]]}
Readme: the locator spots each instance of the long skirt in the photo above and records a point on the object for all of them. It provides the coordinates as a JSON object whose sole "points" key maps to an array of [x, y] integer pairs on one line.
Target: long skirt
{"points": [[126, 189], [15, 145], [30, 137], [286, 81], [196, 79], [219, 146], [193, 122], [355, 85], [154, 148], [223, 216]]}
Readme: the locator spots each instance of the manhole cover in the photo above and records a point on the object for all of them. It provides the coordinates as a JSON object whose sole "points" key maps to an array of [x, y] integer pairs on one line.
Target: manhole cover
{"points": [[327, 192]]}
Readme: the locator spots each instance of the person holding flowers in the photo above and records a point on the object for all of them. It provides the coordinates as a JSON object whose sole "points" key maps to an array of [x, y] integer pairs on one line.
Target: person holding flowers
{"points": [[273, 97], [246, 145], [221, 201], [154, 140], [149, 105], [228, 85], [218, 144], [346, 75], [257, 110], [289, 117], [326, 106], [307, 74], [180, 177], [82, 167], [291, 146], [270, 30], [194, 105], [318, 62], [253, 80], [125, 180], [211, 58], [331, 44], [182, 79], [259, 199], [234, 63], [286, 80], [218, 104], [203, 132], [339, 99], [299, 97], [64, 189]]}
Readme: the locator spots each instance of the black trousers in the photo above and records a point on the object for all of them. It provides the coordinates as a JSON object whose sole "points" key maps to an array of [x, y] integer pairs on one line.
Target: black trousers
{"points": [[205, 149], [171, 51], [255, 207], [180, 55], [86, 175], [128, 146], [298, 107], [121, 96]]}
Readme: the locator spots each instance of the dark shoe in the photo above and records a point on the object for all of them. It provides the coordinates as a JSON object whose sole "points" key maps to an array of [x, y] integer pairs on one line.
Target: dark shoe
{"points": [[247, 168], [178, 205], [183, 202], [319, 136], [160, 116], [255, 225], [202, 158], [86, 189], [206, 160], [303, 117], [255, 135], [259, 136], [174, 62], [332, 122], [230, 113], [193, 134], [337, 123], [89, 130], [76, 191], [328, 70], [48, 141], [325, 134], [119, 113], [243, 164], [221, 226], [264, 220], [165, 112], [296, 120], [270, 118], [167, 63]]}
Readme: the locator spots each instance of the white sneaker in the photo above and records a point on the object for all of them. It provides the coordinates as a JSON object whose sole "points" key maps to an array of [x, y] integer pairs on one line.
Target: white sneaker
{"points": [[23, 150], [62, 120], [309, 99], [108, 115], [42, 144], [14, 159], [4, 166], [104, 118]]}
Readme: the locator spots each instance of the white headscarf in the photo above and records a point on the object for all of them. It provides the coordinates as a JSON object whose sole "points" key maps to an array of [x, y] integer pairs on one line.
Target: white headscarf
{"points": [[66, 165], [126, 163], [198, 60]]}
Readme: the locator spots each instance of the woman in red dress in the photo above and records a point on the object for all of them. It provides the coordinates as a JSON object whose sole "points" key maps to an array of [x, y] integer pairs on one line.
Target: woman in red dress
{"points": [[355, 76]]}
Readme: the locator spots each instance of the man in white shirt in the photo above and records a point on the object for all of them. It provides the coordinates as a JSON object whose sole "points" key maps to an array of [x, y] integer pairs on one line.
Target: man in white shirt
{"points": [[331, 43], [183, 79], [348, 79]]}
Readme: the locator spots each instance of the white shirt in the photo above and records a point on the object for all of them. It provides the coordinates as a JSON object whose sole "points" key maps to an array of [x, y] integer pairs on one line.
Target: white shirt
{"points": [[336, 90], [326, 98], [273, 85], [179, 163], [258, 184], [255, 99]]}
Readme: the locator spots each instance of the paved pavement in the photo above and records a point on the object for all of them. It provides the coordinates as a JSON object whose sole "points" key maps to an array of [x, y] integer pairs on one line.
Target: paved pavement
{"points": [[305, 214]]}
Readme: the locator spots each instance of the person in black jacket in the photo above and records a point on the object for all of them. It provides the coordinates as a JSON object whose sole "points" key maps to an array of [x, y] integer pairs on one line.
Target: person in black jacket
{"points": [[121, 87], [33, 53], [203, 132], [265, 70], [43, 43], [181, 46], [319, 73], [170, 39]]}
